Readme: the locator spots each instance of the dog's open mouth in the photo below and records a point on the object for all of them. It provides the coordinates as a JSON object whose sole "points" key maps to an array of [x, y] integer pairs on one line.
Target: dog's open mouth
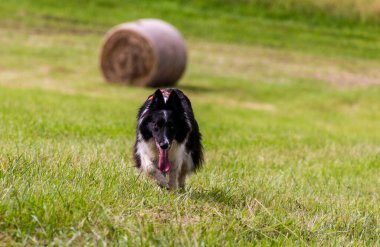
{"points": [[163, 161]]}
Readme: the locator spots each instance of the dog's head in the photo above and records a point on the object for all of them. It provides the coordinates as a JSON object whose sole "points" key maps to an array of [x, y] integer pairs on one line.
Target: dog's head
{"points": [[164, 118], [164, 121]]}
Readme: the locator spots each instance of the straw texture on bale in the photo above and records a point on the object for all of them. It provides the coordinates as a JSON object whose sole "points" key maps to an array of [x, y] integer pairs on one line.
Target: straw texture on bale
{"points": [[148, 52]]}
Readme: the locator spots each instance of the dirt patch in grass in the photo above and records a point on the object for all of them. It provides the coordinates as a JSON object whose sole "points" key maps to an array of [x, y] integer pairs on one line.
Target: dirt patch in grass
{"points": [[259, 64], [346, 78]]}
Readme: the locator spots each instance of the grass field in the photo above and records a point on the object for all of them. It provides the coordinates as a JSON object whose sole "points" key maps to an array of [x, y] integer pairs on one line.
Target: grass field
{"points": [[289, 107]]}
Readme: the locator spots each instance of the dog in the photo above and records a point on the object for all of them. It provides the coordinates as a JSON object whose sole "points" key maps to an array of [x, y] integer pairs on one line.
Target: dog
{"points": [[168, 143]]}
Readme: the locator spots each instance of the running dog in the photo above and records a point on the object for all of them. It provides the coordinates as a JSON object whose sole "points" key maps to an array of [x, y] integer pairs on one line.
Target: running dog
{"points": [[168, 143]]}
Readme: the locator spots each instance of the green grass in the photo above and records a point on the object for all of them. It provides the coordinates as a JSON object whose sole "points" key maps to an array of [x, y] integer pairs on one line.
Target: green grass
{"points": [[288, 106]]}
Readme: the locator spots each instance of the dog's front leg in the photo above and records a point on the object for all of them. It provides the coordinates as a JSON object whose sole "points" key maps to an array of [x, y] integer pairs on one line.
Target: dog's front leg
{"points": [[174, 174], [173, 179], [155, 173], [182, 176]]}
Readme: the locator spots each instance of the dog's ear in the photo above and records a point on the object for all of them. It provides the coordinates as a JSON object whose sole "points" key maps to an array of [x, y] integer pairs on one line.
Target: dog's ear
{"points": [[158, 101], [174, 102]]}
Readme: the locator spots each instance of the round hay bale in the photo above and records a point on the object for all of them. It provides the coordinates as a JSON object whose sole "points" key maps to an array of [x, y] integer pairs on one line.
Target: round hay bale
{"points": [[147, 52]]}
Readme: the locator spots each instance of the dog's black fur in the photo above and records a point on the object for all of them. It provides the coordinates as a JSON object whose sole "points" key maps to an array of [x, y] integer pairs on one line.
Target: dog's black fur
{"points": [[167, 118]]}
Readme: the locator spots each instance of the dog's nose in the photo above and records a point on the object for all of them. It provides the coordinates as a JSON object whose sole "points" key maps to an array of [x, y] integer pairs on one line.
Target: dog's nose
{"points": [[164, 145]]}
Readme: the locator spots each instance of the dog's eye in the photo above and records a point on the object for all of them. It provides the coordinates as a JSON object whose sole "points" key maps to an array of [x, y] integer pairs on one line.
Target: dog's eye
{"points": [[170, 125], [157, 126]]}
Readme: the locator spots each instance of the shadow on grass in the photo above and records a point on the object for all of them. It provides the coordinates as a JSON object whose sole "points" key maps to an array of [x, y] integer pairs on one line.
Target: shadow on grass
{"points": [[221, 89], [199, 89]]}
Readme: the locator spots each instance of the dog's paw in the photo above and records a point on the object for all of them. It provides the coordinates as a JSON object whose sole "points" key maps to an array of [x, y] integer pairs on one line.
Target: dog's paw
{"points": [[173, 185], [173, 188], [164, 185]]}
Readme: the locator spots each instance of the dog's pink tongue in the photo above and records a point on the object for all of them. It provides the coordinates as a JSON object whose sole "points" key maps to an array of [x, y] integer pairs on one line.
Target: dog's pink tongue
{"points": [[163, 162]]}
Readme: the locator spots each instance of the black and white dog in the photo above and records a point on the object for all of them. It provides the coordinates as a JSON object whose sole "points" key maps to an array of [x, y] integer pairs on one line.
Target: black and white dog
{"points": [[168, 140]]}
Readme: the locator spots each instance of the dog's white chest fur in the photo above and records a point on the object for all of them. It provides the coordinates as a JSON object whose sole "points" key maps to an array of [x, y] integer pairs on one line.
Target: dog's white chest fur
{"points": [[148, 152]]}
